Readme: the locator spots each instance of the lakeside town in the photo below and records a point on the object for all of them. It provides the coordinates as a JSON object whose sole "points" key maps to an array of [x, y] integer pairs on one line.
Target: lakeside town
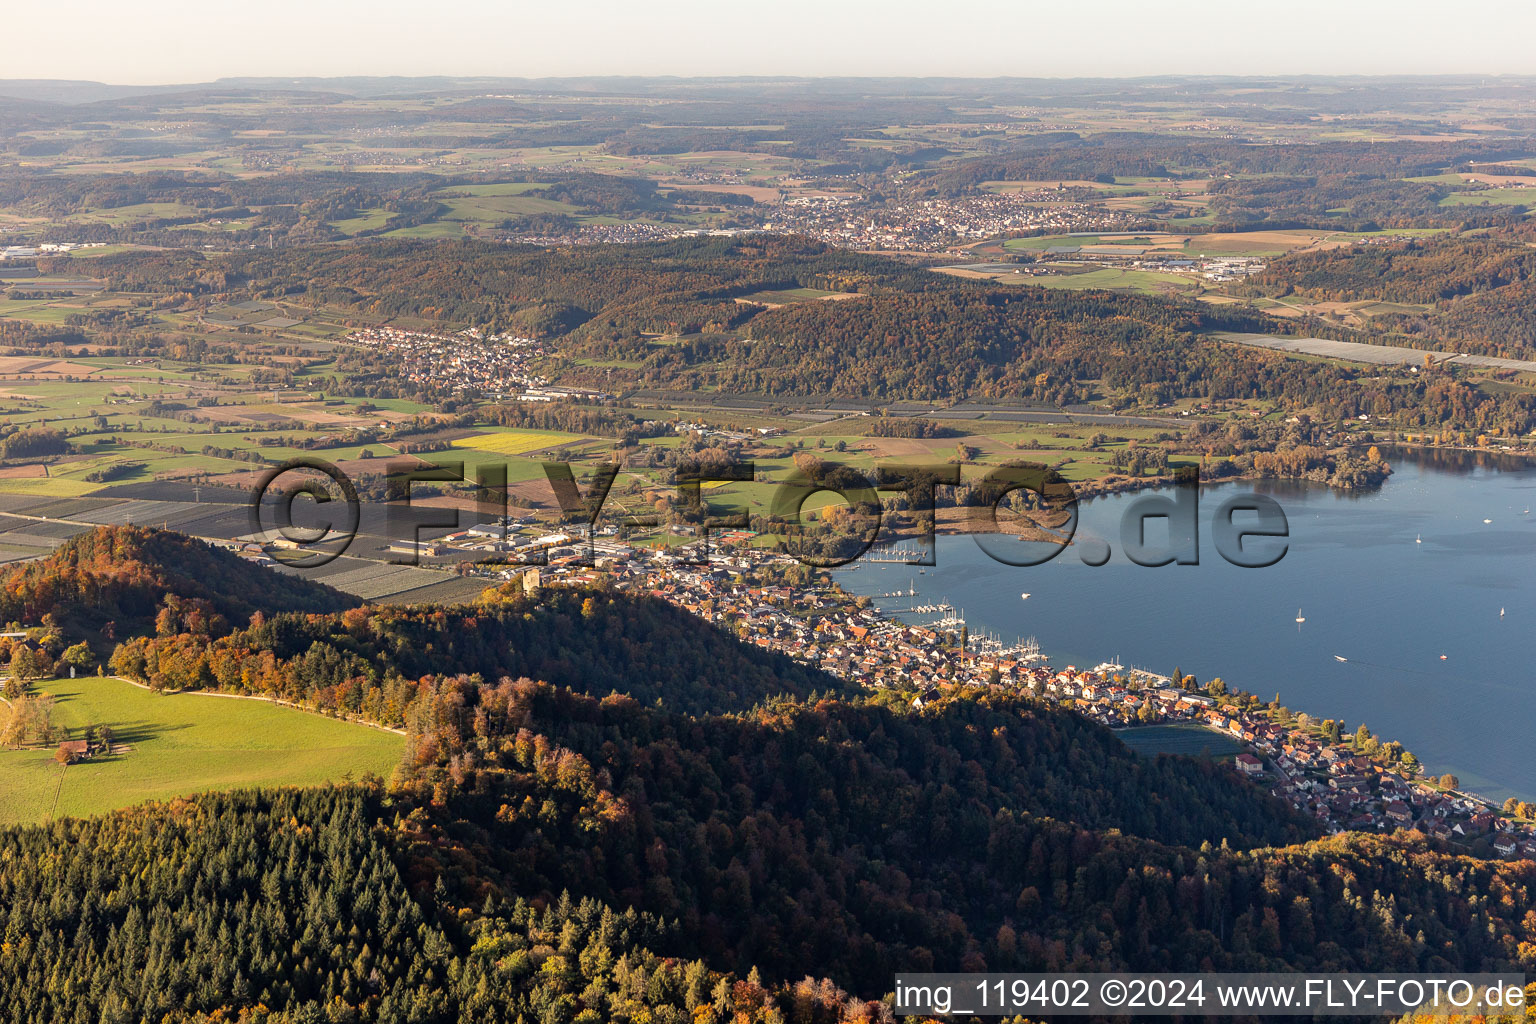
{"points": [[1346, 786]]}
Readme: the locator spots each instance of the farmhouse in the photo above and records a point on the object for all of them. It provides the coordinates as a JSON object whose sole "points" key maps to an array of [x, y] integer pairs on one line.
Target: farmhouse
{"points": [[75, 750]]}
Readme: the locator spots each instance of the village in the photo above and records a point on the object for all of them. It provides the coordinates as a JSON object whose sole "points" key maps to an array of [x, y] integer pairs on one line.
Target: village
{"points": [[494, 366], [934, 225]]}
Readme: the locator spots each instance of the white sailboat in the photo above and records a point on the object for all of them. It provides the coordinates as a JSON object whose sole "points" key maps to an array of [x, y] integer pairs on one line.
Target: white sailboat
{"points": [[1419, 539], [1024, 597], [1300, 618], [1339, 657]]}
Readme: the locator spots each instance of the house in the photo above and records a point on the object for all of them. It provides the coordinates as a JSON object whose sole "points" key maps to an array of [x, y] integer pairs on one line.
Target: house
{"points": [[75, 750], [1505, 845], [1249, 764], [1476, 826]]}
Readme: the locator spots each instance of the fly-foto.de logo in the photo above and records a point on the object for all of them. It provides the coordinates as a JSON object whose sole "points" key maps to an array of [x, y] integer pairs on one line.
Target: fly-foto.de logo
{"points": [[900, 502]]}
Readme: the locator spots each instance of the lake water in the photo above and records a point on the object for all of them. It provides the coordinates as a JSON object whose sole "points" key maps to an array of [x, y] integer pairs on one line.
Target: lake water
{"points": [[1367, 590]]}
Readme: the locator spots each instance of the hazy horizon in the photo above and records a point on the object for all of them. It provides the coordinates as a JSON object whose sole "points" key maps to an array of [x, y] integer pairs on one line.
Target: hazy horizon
{"points": [[160, 43]]}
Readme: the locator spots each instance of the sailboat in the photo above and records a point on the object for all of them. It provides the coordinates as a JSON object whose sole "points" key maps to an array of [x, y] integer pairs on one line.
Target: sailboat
{"points": [[1299, 617], [1419, 539], [1339, 657], [1487, 520], [1024, 597], [1501, 613]]}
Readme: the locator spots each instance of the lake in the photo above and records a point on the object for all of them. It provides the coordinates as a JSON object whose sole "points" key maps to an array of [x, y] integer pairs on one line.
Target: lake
{"points": [[1390, 580]]}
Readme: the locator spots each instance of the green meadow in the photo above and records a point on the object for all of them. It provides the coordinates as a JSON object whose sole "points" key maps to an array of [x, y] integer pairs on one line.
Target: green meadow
{"points": [[1189, 740], [181, 744]]}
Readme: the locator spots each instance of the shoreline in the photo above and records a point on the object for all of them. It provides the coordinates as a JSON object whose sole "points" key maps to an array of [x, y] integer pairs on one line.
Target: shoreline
{"points": [[1421, 777]]}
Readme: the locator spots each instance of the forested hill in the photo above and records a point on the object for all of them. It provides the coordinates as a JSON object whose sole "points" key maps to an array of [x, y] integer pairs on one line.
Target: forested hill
{"points": [[130, 576], [367, 661], [681, 285], [695, 871]]}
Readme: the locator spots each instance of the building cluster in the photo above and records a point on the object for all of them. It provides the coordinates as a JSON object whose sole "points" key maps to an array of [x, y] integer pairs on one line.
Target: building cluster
{"points": [[32, 252], [823, 627], [562, 393], [1346, 790], [1141, 257], [495, 366], [706, 431]]}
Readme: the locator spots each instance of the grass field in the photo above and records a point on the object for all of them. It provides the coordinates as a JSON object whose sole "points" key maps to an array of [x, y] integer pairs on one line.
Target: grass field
{"points": [[181, 744], [786, 295], [367, 220], [1492, 196], [1189, 740], [50, 486], [38, 311]]}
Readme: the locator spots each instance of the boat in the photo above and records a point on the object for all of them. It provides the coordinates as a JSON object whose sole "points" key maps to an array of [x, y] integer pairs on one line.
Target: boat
{"points": [[1299, 617], [1023, 597], [1339, 657], [1501, 613], [1419, 539], [1442, 657], [1487, 520]]}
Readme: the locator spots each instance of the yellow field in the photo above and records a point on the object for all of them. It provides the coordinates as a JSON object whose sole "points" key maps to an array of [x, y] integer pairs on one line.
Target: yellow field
{"points": [[515, 442]]}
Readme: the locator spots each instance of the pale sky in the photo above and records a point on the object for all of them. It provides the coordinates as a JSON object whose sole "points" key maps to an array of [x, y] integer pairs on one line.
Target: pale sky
{"points": [[176, 41]]}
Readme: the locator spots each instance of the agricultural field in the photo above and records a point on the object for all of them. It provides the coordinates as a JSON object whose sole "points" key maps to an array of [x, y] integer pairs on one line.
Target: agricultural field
{"points": [[1145, 282], [179, 744], [1181, 246], [515, 442]]}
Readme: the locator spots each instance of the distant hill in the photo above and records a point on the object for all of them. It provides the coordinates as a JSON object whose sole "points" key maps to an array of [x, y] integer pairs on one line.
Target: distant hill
{"points": [[125, 574]]}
